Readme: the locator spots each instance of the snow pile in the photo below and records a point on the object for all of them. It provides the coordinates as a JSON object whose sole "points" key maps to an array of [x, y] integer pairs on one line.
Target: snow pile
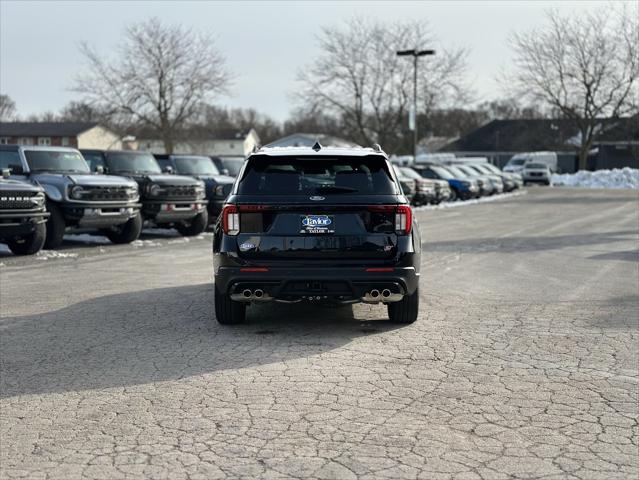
{"points": [[616, 178], [145, 243], [48, 254], [492, 198]]}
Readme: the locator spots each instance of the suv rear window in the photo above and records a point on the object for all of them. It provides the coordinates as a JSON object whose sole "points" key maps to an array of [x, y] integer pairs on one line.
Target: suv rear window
{"points": [[266, 175]]}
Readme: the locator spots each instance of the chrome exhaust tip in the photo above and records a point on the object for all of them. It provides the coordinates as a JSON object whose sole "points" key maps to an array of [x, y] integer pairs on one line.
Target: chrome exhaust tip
{"points": [[247, 293], [374, 293], [386, 293], [258, 293]]}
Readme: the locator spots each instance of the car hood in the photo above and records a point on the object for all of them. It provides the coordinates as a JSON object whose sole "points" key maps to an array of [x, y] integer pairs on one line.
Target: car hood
{"points": [[160, 179], [86, 180], [13, 185]]}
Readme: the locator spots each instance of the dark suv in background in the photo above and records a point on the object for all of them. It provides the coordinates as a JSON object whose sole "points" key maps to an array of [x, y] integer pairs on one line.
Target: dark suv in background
{"points": [[317, 224], [76, 198], [167, 200], [203, 168], [22, 215]]}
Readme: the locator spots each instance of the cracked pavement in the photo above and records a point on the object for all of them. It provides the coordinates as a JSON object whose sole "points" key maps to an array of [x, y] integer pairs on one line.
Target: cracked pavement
{"points": [[523, 363]]}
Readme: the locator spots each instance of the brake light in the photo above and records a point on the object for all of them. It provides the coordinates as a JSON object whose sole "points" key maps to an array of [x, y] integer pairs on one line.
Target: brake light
{"points": [[253, 269], [230, 220], [403, 219], [254, 208], [380, 269]]}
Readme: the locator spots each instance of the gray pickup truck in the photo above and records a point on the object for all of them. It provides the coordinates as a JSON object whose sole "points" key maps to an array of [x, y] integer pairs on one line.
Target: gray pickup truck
{"points": [[76, 198]]}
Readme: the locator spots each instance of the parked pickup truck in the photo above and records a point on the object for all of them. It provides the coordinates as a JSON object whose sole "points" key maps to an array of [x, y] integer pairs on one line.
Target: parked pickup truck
{"points": [[167, 200], [76, 198], [22, 215]]}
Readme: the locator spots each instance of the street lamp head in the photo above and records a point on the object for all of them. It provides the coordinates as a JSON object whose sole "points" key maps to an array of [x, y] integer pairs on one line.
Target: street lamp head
{"points": [[404, 53], [421, 53]]}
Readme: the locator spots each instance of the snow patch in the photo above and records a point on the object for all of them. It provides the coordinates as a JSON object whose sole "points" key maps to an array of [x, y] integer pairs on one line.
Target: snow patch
{"points": [[493, 198], [49, 254], [145, 243], [616, 178]]}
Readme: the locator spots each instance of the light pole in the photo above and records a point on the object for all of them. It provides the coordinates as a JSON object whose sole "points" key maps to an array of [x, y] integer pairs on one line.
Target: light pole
{"points": [[415, 54]]}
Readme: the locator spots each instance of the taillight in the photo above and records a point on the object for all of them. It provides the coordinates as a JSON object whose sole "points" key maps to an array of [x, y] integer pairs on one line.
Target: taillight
{"points": [[230, 220], [403, 219]]}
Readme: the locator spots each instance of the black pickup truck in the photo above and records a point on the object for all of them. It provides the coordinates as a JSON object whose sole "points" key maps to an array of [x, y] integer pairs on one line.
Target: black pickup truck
{"points": [[22, 216], [167, 200]]}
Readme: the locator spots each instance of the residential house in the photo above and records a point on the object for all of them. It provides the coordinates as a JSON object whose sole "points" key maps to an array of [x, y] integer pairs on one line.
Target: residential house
{"points": [[202, 141], [61, 134]]}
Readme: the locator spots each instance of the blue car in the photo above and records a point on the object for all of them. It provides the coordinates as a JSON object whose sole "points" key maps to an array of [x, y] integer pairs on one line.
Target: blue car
{"points": [[461, 188]]}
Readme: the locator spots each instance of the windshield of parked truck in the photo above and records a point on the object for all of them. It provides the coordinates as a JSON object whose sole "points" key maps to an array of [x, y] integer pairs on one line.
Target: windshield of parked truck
{"points": [[193, 165], [132, 162], [308, 176], [56, 161], [410, 173], [467, 170], [233, 165], [517, 161]]}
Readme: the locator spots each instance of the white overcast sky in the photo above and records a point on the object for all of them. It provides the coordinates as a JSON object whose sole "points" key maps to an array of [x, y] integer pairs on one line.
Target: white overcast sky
{"points": [[265, 43]]}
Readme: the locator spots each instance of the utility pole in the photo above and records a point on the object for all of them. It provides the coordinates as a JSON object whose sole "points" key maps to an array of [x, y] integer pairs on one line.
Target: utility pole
{"points": [[415, 54]]}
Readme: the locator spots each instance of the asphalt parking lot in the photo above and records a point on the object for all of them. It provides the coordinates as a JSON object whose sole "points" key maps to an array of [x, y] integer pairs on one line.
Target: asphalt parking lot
{"points": [[524, 362]]}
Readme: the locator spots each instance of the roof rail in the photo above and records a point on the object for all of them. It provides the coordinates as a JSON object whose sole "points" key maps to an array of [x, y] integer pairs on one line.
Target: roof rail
{"points": [[377, 147]]}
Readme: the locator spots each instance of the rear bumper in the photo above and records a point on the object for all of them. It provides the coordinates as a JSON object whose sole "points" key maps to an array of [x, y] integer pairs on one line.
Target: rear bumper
{"points": [[291, 284]]}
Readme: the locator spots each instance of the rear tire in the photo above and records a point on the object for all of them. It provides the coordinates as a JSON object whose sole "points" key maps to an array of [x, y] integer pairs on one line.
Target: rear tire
{"points": [[197, 225], [406, 310], [29, 244], [127, 232], [55, 227], [227, 311], [453, 195]]}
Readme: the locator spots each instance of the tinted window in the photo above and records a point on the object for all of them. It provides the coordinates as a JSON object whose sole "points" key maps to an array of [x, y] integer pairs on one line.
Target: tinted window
{"points": [[9, 158], [163, 162], [195, 166], [233, 166], [55, 161], [308, 176], [125, 162]]}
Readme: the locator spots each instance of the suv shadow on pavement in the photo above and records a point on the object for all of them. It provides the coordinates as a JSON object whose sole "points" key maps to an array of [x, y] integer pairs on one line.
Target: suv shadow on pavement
{"points": [[158, 335]]}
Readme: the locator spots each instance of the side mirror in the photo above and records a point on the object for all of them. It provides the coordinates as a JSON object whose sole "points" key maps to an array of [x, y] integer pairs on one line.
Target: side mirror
{"points": [[16, 169], [225, 171], [168, 169], [99, 169], [6, 173]]}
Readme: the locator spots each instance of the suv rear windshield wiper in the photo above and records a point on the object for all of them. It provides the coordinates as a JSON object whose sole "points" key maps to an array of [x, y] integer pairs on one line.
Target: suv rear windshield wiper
{"points": [[335, 189]]}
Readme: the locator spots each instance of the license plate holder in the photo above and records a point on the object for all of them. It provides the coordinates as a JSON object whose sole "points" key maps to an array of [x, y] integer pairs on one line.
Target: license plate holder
{"points": [[317, 224]]}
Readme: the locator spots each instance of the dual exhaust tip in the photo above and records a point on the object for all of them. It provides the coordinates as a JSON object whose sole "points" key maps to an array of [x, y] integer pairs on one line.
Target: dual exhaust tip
{"points": [[386, 293], [258, 293]]}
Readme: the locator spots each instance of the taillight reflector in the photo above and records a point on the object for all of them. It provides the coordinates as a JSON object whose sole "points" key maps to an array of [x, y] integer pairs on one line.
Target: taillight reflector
{"points": [[254, 269], [380, 269]]}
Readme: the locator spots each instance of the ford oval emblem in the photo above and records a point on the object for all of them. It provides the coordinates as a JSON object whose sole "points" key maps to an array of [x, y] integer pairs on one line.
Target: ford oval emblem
{"points": [[317, 198]]}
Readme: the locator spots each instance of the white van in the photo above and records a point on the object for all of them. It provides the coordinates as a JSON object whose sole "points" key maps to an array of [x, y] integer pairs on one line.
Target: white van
{"points": [[517, 162]]}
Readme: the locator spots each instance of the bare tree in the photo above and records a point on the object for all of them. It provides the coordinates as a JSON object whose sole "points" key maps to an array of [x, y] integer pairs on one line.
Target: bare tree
{"points": [[7, 108], [161, 76], [359, 79], [584, 66]]}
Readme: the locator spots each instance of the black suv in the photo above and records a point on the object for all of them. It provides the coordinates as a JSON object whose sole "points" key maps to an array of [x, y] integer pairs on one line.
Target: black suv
{"points": [[167, 200], [22, 216], [76, 198], [320, 225], [203, 168]]}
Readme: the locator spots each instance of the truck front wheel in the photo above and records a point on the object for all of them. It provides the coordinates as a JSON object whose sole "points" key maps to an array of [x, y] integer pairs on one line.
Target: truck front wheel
{"points": [[29, 244], [127, 232], [55, 227], [196, 226]]}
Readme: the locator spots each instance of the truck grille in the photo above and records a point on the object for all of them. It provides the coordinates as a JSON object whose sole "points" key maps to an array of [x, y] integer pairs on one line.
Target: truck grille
{"points": [[180, 191], [17, 200], [108, 194]]}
